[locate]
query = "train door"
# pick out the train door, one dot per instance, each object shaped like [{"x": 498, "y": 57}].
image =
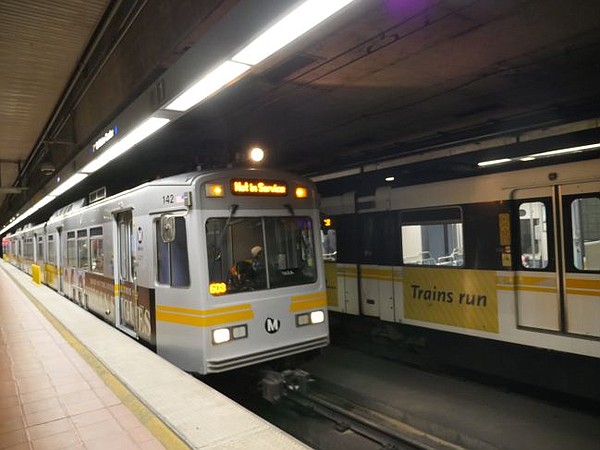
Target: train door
[
  {"x": 59, "y": 260},
  {"x": 557, "y": 287},
  {"x": 580, "y": 268},
  {"x": 341, "y": 267},
  {"x": 40, "y": 257},
  {"x": 52, "y": 274},
  {"x": 125, "y": 295}
]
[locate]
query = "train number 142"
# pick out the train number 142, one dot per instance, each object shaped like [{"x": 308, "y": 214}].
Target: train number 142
[{"x": 168, "y": 199}]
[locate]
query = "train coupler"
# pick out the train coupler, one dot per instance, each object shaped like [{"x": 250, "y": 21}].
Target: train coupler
[{"x": 275, "y": 385}]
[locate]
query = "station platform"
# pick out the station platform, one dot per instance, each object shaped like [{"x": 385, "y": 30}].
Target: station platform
[{"x": 70, "y": 381}]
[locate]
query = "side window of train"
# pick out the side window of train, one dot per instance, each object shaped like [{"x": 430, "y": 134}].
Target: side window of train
[
  {"x": 40, "y": 250},
  {"x": 51, "y": 250},
  {"x": 432, "y": 237},
  {"x": 29, "y": 248},
  {"x": 97, "y": 249},
  {"x": 82, "y": 250},
  {"x": 347, "y": 238},
  {"x": 584, "y": 215},
  {"x": 71, "y": 249},
  {"x": 172, "y": 256},
  {"x": 533, "y": 231},
  {"x": 329, "y": 239},
  {"x": 378, "y": 238}
]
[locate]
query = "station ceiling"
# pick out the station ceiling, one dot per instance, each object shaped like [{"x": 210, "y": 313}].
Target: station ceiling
[{"x": 381, "y": 80}]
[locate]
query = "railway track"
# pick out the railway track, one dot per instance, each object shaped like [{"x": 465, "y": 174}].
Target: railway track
[{"x": 292, "y": 388}]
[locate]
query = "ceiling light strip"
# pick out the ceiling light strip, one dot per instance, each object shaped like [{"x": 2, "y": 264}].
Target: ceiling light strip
[
  {"x": 131, "y": 139},
  {"x": 215, "y": 80},
  {"x": 289, "y": 28},
  {"x": 138, "y": 134}
]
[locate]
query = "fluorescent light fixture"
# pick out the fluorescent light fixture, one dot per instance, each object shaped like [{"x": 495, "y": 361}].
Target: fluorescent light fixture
[
  {"x": 208, "y": 85},
  {"x": 138, "y": 134},
  {"x": 68, "y": 184},
  {"x": 493, "y": 162},
  {"x": 295, "y": 24},
  {"x": 43, "y": 202},
  {"x": 563, "y": 151},
  {"x": 390, "y": 178},
  {"x": 527, "y": 158}
]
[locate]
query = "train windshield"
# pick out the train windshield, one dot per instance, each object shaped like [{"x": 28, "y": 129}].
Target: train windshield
[{"x": 257, "y": 253}]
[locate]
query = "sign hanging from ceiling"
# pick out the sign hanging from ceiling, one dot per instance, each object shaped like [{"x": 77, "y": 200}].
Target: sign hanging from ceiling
[{"x": 105, "y": 138}]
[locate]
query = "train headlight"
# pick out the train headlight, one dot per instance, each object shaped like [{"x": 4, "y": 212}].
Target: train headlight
[
  {"x": 317, "y": 317},
  {"x": 302, "y": 320},
  {"x": 221, "y": 335},
  {"x": 301, "y": 192},
  {"x": 240, "y": 332},
  {"x": 311, "y": 318},
  {"x": 215, "y": 190}
]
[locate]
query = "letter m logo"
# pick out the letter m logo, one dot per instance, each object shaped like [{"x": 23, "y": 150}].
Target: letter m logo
[{"x": 272, "y": 325}]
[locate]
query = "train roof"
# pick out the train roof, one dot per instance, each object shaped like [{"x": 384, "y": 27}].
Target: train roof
[{"x": 189, "y": 177}]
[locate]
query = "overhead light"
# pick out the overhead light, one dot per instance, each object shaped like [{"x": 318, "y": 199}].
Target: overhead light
[
  {"x": 493, "y": 162},
  {"x": 138, "y": 134},
  {"x": 257, "y": 154},
  {"x": 208, "y": 85},
  {"x": 564, "y": 151},
  {"x": 390, "y": 178},
  {"x": 43, "y": 202},
  {"x": 296, "y": 23},
  {"x": 68, "y": 184},
  {"x": 527, "y": 158}
]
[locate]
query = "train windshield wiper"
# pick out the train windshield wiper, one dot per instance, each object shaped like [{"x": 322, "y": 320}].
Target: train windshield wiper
[{"x": 232, "y": 209}]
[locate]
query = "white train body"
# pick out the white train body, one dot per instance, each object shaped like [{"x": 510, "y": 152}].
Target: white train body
[
  {"x": 513, "y": 256},
  {"x": 154, "y": 261}
]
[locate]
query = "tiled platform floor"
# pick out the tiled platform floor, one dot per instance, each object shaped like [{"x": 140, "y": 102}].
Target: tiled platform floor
[{"x": 50, "y": 398}]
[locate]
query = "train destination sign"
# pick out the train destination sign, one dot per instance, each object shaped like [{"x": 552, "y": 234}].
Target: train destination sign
[{"x": 248, "y": 186}]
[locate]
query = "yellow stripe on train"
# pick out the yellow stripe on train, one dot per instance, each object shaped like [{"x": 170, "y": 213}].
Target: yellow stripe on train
[
  {"x": 308, "y": 301},
  {"x": 204, "y": 318}
]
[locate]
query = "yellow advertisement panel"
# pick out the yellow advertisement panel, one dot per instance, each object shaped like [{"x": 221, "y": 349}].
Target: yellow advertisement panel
[{"x": 461, "y": 298}]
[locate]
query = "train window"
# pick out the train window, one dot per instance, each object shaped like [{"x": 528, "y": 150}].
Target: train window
[
  {"x": 97, "y": 249},
  {"x": 40, "y": 250},
  {"x": 172, "y": 257},
  {"x": 71, "y": 249},
  {"x": 51, "y": 250},
  {"x": 534, "y": 235},
  {"x": 180, "y": 273},
  {"x": 585, "y": 219},
  {"x": 260, "y": 253},
  {"x": 163, "y": 270},
  {"x": 329, "y": 240},
  {"x": 28, "y": 250},
  {"x": 432, "y": 237},
  {"x": 82, "y": 250},
  {"x": 290, "y": 251},
  {"x": 124, "y": 236},
  {"x": 347, "y": 237},
  {"x": 378, "y": 242}
]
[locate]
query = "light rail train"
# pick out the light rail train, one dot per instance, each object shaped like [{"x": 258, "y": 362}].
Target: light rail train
[
  {"x": 511, "y": 258},
  {"x": 214, "y": 270}
]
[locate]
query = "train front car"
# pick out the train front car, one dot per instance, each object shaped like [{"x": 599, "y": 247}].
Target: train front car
[{"x": 256, "y": 269}]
